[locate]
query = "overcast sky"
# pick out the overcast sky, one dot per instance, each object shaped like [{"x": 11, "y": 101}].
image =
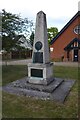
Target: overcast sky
[{"x": 58, "y": 12}]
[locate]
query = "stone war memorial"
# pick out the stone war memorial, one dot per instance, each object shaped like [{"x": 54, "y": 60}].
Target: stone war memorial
[
  {"x": 40, "y": 71},
  {"x": 40, "y": 82}
]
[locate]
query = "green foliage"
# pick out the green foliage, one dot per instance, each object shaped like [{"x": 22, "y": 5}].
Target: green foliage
[
  {"x": 12, "y": 26},
  {"x": 32, "y": 38},
  {"x": 52, "y": 32}
]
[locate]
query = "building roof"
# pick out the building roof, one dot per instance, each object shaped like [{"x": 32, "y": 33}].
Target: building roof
[
  {"x": 71, "y": 43},
  {"x": 65, "y": 27},
  {"x": 25, "y": 42}
]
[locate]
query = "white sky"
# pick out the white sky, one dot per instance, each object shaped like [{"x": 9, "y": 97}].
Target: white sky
[{"x": 58, "y": 12}]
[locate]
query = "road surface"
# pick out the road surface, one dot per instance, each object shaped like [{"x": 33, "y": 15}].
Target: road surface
[{"x": 25, "y": 62}]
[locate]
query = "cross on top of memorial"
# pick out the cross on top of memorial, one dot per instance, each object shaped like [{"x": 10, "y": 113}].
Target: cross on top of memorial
[{"x": 40, "y": 46}]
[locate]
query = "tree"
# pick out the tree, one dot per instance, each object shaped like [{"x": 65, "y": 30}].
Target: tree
[
  {"x": 32, "y": 38},
  {"x": 12, "y": 26},
  {"x": 52, "y": 32}
]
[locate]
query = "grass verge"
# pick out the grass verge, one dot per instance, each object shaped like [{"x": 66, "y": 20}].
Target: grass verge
[{"x": 24, "y": 107}]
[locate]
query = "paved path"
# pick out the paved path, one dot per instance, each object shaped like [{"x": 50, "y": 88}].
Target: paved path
[
  {"x": 17, "y": 62},
  {"x": 25, "y": 62},
  {"x": 71, "y": 64}
]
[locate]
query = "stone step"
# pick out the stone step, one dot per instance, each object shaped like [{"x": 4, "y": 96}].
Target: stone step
[
  {"x": 53, "y": 85},
  {"x": 57, "y": 90},
  {"x": 62, "y": 91},
  {"x": 26, "y": 92},
  {"x": 43, "y": 88}
]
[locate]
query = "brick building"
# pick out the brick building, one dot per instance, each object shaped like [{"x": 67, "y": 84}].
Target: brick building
[{"x": 66, "y": 45}]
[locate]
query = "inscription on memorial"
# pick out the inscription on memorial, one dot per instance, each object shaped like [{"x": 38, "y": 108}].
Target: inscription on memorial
[
  {"x": 38, "y": 57},
  {"x": 36, "y": 73}
]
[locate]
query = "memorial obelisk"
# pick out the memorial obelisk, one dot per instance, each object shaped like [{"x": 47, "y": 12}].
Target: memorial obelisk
[{"x": 40, "y": 71}]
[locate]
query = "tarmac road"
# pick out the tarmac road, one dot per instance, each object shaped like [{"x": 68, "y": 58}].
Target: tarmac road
[
  {"x": 71, "y": 64},
  {"x": 17, "y": 62},
  {"x": 25, "y": 62}
]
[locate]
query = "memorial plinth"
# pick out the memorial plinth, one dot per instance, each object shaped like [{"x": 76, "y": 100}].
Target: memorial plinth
[{"x": 40, "y": 71}]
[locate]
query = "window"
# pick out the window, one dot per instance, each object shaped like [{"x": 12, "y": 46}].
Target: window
[
  {"x": 77, "y": 29},
  {"x": 75, "y": 44}
]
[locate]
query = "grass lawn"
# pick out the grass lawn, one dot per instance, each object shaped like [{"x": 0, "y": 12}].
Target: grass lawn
[
  {"x": 25, "y": 107},
  {"x": 13, "y": 72}
]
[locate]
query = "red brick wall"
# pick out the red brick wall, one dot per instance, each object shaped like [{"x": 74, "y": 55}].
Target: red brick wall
[{"x": 63, "y": 40}]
